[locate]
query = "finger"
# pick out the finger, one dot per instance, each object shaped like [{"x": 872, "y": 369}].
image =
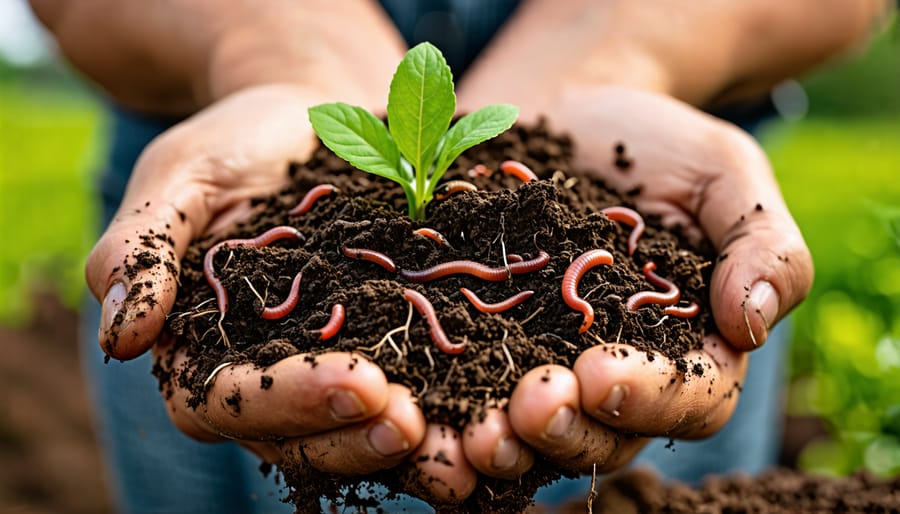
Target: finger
[
  {"x": 764, "y": 268},
  {"x": 632, "y": 393},
  {"x": 545, "y": 412},
  {"x": 441, "y": 472},
  {"x": 379, "y": 443},
  {"x": 492, "y": 447},
  {"x": 291, "y": 398}
]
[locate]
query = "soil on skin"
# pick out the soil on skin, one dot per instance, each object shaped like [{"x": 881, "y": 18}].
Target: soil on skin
[
  {"x": 777, "y": 491},
  {"x": 559, "y": 214}
]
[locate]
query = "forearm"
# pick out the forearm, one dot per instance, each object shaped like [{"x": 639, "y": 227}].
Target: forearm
[
  {"x": 700, "y": 52},
  {"x": 176, "y": 57}
]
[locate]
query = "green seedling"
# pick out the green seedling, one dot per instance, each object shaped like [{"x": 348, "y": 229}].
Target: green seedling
[{"x": 420, "y": 145}]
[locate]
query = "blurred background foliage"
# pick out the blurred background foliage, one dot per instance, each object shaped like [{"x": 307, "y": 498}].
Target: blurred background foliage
[{"x": 836, "y": 153}]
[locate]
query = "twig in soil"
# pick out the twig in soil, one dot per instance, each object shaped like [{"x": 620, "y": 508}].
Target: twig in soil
[
  {"x": 619, "y": 335},
  {"x": 570, "y": 182},
  {"x": 193, "y": 315},
  {"x": 595, "y": 337},
  {"x": 449, "y": 374},
  {"x": 593, "y": 494},
  {"x": 214, "y": 372},
  {"x": 512, "y": 365},
  {"x": 430, "y": 358},
  {"x": 390, "y": 340},
  {"x": 259, "y": 297},
  {"x": 555, "y": 337},
  {"x": 658, "y": 323},
  {"x": 532, "y": 315}
]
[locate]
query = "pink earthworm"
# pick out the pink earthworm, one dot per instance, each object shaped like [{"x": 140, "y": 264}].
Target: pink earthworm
[
  {"x": 630, "y": 218},
  {"x": 518, "y": 170},
  {"x": 310, "y": 198},
  {"x": 426, "y": 310},
  {"x": 265, "y": 239},
  {"x": 669, "y": 297},
  {"x": 688, "y": 311},
  {"x": 494, "y": 308},
  {"x": 283, "y": 309},
  {"x": 480, "y": 170},
  {"x": 574, "y": 272},
  {"x": 514, "y": 257},
  {"x": 335, "y": 322},
  {"x": 476, "y": 269},
  {"x": 451, "y": 188},
  {"x": 432, "y": 234},
  {"x": 372, "y": 256}
]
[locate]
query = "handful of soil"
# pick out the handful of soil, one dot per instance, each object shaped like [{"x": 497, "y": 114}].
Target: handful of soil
[{"x": 504, "y": 222}]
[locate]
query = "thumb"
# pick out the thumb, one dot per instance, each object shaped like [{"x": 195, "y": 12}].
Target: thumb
[{"x": 764, "y": 268}]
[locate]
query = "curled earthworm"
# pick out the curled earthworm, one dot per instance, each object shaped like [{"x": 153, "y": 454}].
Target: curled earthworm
[
  {"x": 494, "y": 308},
  {"x": 426, "y": 310},
  {"x": 476, "y": 269},
  {"x": 310, "y": 198},
  {"x": 282, "y": 310},
  {"x": 666, "y": 298},
  {"x": 480, "y": 170},
  {"x": 335, "y": 322},
  {"x": 518, "y": 170},
  {"x": 265, "y": 239},
  {"x": 688, "y": 311},
  {"x": 452, "y": 187},
  {"x": 630, "y": 218},
  {"x": 574, "y": 272},
  {"x": 432, "y": 234},
  {"x": 372, "y": 256}
]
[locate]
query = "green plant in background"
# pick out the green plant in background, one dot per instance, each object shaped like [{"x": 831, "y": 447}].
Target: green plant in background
[{"x": 419, "y": 148}]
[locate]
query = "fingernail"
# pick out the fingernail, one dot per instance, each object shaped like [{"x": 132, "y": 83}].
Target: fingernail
[
  {"x": 386, "y": 439},
  {"x": 345, "y": 405},
  {"x": 764, "y": 301},
  {"x": 560, "y": 423},
  {"x": 614, "y": 399},
  {"x": 112, "y": 313},
  {"x": 506, "y": 453}
]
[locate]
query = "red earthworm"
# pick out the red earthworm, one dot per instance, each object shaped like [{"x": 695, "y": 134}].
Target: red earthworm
[
  {"x": 265, "y": 239},
  {"x": 282, "y": 310},
  {"x": 494, "y": 308},
  {"x": 335, "y": 322},
  {"x": 630, "y": 218},
  {"x": 451, "y": 188},
  {"x": 432, "y": 234},
  {"x": 688, "y": 311},
  {"x": 518, "y": 170},
  {"x": 426, "y": 310},
  {"x": 476, "y": 269},
  {"x": 574, "y": 272},
  {"x": 666, "y": 298},
  {"x": 514, "y": 257},
  {"x": 480, "y": 170},
  {"x": 372, "y": 256},
  {"x": 310, "y": 198}
]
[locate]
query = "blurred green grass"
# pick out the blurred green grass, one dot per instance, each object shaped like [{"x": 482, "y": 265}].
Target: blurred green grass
[{"x": 49, "y": 147}]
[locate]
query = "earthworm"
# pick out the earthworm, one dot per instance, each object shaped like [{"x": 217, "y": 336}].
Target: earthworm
[
  {"x": 688, "y": 311},
  {"x": 310, "y": 198},
  {"x": 574, "y": 272},
  {"x": 335, "y": 322},
  {"x": 265, "y": 239},
  {"x": 630, "y": 218},
  {"x": 451, "y": 188},
  {"x": 282, "y": 310},
  {"x": 514, "y": 257},
  {"x": 494, "y": 308},
  {"x": 372, "y": 256},
  {"x": 518, "y": 170},
  {"x": 426, "y": 310},
  {"x": 666, "y": 298},
  {"x": 476, "y": 269},
  {"x": 480, "y": 170},
  {"x": 432, "y": 234}
]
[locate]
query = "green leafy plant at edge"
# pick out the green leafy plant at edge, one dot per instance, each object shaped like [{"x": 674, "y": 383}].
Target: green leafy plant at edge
[{"x": 420, "y": 144}]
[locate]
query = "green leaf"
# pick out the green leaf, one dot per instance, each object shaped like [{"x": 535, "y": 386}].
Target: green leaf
[
  {"x": 358, "y": 137},
  {"x": 471, "y": 129},
  {"x": 421, "y": 104}
]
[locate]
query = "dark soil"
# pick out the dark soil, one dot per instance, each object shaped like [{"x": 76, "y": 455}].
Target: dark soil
[
  {"x": 559, "y": 214},
  {"x": 778, "y": 491}
]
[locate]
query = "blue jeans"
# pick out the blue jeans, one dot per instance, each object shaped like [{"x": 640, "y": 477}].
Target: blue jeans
[{"x": 154, "y": 468}]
